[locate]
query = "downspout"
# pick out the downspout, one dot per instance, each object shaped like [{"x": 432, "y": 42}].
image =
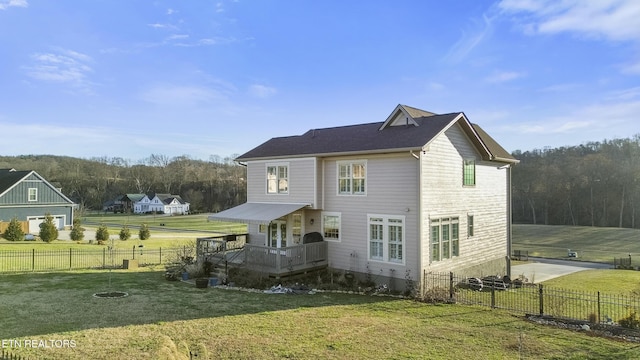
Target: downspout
[
  {"x": 419, "y": 275},
  {"x": 509, "y": 221}
]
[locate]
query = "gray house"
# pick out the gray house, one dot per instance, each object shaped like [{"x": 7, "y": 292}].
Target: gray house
[
  {"x": 418, "y": 192},
  {"x": 28, "y": 197}
]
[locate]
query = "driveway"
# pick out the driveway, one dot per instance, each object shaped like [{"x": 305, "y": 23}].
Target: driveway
[{"x": 541, "y": 269}]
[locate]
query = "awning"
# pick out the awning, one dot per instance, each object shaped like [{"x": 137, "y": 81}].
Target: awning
[{"x": 256, "y": 213}]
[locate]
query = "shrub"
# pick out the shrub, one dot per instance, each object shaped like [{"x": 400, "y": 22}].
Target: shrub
[
  {"x": 144, "y": 233},
  {"x": 125, "y": 233},
  {"x": 14, "y": 231},
  {"x": 77, "y": 232},
  {"x": 102, "y": 234},
  {"x": 48, "y": 230},
  {"x": 630, "y": 322}
]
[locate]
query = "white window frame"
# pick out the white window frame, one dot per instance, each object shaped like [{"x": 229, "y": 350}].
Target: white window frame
[
  {"x": 337, "y": 215},
  {"x": 278, "y": 179},
  {"x": 444, "y": 238},
  {"x": 349, "y": 177},
  {"x": 32, "y": 194},
  {"x": 384, "y": 223}
]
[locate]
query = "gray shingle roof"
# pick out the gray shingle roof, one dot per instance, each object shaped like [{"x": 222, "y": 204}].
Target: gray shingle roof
[
  {"x": 9, "y": 177},
  {"x": 422, "y": 126},
  {"x": 353, "y": 138}
]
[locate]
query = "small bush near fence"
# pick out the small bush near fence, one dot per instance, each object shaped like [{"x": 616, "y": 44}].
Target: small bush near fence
[{"x": 592, "y": 307}]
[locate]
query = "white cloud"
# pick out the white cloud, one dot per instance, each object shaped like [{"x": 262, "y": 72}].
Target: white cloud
[
  {"x": 177, "y": 37},
  {"x": 262, "y": 91},
  {"x": 170, "y": 11},
  {"x": 617, "y": 20},
  {"x": 631, "y": 68},
  {"x": 504, "y": 76},
  {"x": 469, "y": 41},
  {"x": 5, "y": 4},
  {"x": 62, "y": 66},
  {"x": 615, "y": 116},
  {"x": 163, "y": 26},
  {"x": 181, "y": 95}
]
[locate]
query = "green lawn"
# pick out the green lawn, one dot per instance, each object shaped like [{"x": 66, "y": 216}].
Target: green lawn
[
  {"x": 610, "y": 281},
  {"x": 183, "y": 222},
  {"x": 161, "y": 320},
  {"x": 591, "y": 243}
]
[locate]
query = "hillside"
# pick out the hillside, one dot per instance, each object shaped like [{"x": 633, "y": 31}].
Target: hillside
[{"x": 591, "y": 243}]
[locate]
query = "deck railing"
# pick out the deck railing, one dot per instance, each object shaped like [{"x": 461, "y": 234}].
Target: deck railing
[{"x": 287, "y": 260}]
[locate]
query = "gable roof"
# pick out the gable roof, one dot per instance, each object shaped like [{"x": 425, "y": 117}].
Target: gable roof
[
  {"x": 393, "y": 134},
  {"x": 9, "y": 178},
  {"x": 167, "y": 198}
]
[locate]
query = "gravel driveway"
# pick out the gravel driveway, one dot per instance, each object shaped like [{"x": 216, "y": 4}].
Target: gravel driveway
[{"x": 539, "y": 269}]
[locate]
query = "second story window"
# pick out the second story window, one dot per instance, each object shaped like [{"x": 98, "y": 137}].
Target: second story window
[
  {"x": 352, "y": 178},
  {"x": 33, "y": 194},
  {"x": 278, "y": 179},
  {"x": 469, "y": 172}
]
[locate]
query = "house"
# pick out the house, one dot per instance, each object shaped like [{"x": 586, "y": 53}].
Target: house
[
  {"x": 28, "y": 197},
  {"x": 161, "y": 203},
  {"x": 418, "y": 192},
  {"x": 123, "y": 203}
]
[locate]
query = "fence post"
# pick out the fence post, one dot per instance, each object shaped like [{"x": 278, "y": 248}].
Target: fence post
[
  {"x": 451, "y": 285},
  {"x": 69, "y": 258},
  {"x": 33, "y": 259},
  {"x": 160, "y": 252},
  {"x": 598, "y": 307},
  {"x": 493, "y": 295},
  {"x": 104, "y": 258},
  {"x": 541, "y": 299},
  {"x": 133, "y": 252}
]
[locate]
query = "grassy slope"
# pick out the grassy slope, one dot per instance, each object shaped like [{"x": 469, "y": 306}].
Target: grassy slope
[
  {"x": 591, "y": 243},
  {"x": 160, "y": 318}
]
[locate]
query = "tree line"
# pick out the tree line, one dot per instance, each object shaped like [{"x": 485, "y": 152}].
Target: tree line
[
  {"x": 593, "y": 184},
  {"x": 209, "y": 186}
]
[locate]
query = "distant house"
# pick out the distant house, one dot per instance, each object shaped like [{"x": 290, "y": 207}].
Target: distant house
[
  {"x": 123, "y": 203},
  {"x": 28, "y": 197},
  {"x": 161, "y": 203},
  {"x": 418, "y": 192}
]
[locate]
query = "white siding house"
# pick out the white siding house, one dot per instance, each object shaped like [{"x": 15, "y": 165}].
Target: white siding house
[
  {"x": 161, "y": 203},
  {"x": 418, "y": 192}
]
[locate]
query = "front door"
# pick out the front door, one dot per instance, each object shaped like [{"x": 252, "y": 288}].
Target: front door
[{"x": 278, "y": 234}]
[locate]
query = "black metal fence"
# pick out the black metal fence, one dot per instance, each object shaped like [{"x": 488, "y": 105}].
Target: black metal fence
[
  {"x": 78, "y": 259},
  {"x": 593, "y": 307},
  {"x": 622, "y": 263}
]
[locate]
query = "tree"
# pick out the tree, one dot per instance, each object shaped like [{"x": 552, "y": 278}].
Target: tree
[
  {"x": 77, "y": 232},
  {"x": 144, "y": 233},
  {"x": 14, "y": 231},
  {"x": 48, "y": 230},
  {"x": 125, "y": 233},
  {"x": 102, "y": 234}
]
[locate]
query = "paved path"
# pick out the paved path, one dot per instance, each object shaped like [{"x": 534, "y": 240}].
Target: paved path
[{"x": 540, "y": 269}]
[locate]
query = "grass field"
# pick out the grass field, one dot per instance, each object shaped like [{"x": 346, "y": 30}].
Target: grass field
[
  {"x": 180, "y": 222},
  {"x": 164, "y": 320},
  {"x": 591, "y": 243}
]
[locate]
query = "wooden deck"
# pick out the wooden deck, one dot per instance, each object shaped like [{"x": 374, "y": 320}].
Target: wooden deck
[
  {"x": 276, "y": 262},
  {"x": 288, "y": 260}
]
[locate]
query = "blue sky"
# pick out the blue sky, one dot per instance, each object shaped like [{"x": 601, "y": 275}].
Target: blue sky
[{"x": 131, "y": 78}]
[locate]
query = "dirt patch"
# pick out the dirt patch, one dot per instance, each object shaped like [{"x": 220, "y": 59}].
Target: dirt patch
[{"x": 111, "y": 294}]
